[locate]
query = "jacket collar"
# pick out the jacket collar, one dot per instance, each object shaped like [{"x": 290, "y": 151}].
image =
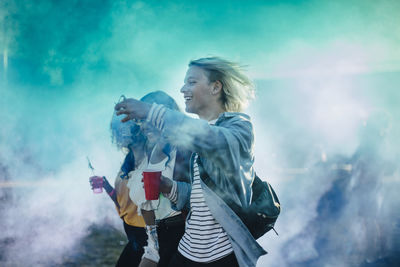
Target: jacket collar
[{"x": 227, "y": 115}]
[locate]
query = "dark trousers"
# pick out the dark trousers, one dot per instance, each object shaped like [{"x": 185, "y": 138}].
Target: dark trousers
[
  {"x": 181, "y": 261},
  {"x": 170, "y": 232},
  {"x": 133, "y": 251}
]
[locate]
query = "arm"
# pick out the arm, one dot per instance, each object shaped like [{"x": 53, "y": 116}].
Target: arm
[
  {"x": 110, "y": 191},
  {"x": 221, "y": 144},
  {"x": 226, "y": 147}
]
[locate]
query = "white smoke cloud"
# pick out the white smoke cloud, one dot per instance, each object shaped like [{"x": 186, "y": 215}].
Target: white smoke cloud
[{"x": 304, "y": 129}]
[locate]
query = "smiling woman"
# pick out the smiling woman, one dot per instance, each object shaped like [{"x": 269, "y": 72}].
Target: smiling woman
[{"x": 216, "y": 90}]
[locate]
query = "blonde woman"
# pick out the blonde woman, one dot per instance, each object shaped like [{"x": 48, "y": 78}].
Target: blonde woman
[{"x": 217, "y": 91}]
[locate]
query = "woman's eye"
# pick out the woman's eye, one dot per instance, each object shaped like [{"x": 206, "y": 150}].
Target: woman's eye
[{"x": 192, "y": 82}]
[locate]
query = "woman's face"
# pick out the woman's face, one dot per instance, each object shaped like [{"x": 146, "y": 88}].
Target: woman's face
[
  {"x": 121, "y": 132},
  {"x": 197, "y": 90}
]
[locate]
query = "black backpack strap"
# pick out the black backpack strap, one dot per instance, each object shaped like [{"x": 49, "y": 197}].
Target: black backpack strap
[{"x": 182, "y": 168}]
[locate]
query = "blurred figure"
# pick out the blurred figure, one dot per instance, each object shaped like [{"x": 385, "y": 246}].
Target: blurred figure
[
  {"x": 145, "y": 149},
  {"x": 351, "y": 226},
  {"x": 164, "y": 225},
  {"x": 371, "y": 163}
]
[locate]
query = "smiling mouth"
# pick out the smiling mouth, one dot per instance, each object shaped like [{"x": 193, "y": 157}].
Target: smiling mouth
[{"x": 187, "y": 98}]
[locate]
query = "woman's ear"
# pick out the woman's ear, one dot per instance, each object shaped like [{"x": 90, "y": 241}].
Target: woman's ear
[{"x": 217, "y": 87}]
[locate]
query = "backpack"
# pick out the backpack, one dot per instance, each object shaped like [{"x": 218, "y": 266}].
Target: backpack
[{"x": 261, "y": 215}]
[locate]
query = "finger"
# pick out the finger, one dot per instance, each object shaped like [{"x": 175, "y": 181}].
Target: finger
[
  {"x": 125, "y": 119},
  {"x": 122, "y": 111}
]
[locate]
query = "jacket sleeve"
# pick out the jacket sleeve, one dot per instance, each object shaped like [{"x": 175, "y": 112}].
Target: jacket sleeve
[
  {"x": 225, "y": 144},
  {"x": 183, "y": 190},
  {"x": 228, "y": 146}
]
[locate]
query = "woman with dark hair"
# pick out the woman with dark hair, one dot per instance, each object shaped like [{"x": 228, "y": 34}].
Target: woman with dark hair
[
  {"x": 164, "y": 225},
  {"x": 146, "y": 149}
]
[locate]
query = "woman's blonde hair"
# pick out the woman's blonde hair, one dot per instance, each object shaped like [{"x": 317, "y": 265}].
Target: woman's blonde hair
[{"x": 237, "y": 88}]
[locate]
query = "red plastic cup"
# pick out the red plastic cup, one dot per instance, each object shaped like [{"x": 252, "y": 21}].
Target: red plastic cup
[
  {"x": 151, "y": 180},
  {"x": 97, "y": 183}
]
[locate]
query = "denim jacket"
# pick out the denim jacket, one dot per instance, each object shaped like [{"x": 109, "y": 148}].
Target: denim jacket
[{"x": 226, "y": 151}]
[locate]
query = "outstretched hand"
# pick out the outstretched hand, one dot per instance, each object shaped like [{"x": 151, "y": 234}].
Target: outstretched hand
[{"x": 133, "y": 109}]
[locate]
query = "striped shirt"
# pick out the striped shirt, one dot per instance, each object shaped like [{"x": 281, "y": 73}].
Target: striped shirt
[{"x": 204, "y": 240}]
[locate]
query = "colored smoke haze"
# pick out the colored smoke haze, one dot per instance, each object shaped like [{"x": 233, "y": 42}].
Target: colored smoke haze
[{"x": 322, "y": 70}]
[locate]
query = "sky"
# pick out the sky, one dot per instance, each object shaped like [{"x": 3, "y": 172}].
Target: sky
[{"x": 322, "y": 70}]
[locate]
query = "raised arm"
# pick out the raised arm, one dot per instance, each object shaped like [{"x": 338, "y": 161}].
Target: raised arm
[
  {"x": 219, "y": 143},
  {"x": 226, "y": 146}
]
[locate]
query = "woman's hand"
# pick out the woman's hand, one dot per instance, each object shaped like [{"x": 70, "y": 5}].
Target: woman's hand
[
  {"x": 133, "y": 109},
  {"x": 96, "y": 182},
  {"x": 165, "y": 185}
]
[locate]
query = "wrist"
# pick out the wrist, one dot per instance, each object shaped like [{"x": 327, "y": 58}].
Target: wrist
[
  {"x": 172, "y": 195},
  {"x": 107, "y": 186},
  {"x": 111, "y": 193},
  {"x": 165, "y": 185}
]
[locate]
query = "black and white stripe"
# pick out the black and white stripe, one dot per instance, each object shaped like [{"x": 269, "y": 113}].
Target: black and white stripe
[
  {"x": 155, "y": 115},
  {"x": 172, "y": 195},
  {"x": 204, "y": 240}
]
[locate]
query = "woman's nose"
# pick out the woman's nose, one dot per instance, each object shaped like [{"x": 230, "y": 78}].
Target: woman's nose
[{"x": 183, "y": 89}]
